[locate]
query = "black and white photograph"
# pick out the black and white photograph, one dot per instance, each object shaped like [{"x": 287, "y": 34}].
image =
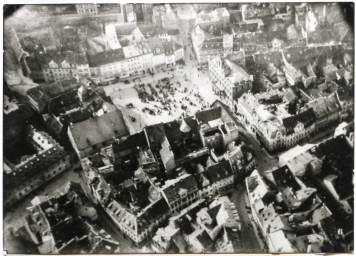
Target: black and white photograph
[{"x": 178, "y": 127}]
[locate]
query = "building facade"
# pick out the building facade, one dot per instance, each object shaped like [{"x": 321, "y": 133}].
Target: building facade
[{"x": 230, "y": 80}]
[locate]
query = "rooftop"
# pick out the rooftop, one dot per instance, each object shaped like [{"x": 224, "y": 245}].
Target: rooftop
[
  {"x": 172, "y": 187},
  {"x": 106, "y": 57},
  {"x": 98, "y": 130}
]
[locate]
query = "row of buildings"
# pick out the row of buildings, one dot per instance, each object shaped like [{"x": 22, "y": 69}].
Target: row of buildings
[
  {"x": 266, "y": 114},
  {"x": 137, "y": 59}
]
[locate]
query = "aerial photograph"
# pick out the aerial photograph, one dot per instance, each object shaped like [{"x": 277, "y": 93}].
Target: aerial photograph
[{"x": 178, "y": 128}]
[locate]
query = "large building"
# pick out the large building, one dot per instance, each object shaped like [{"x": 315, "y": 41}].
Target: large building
[
  {"x": 136, "y": 59},
  {"x": 211, "y": 42},
  {"x": 128, "y": 203},
  {"x": 89, "y": 136},
  {"x": 266, "y": 115},
  {"x": 179, "y": 193},
  {"x": 40, "y": 159},
  {"x": 201, "y": 227},
  {"x": 229, "y": 79},
  {"x": 87, "y": 9}
]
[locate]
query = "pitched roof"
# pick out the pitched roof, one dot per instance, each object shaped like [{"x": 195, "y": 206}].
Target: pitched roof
[
  {"x": 306, "y": 117},
  {"x": 204, "y": 239},
  {"x": 319, "y": 107},
  {"x": 237, "y": 74},
  {"x": 98, "y": 130}
]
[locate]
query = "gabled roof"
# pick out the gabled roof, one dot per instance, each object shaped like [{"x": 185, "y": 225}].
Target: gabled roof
[
  {"x": 319, "y": 107},
  {"x": 307, "y": 118},
  {"x": 204, "y": 239}
]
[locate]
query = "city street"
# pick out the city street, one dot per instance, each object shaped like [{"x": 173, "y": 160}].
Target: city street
[
  {"x": 249, "y": 237},
  {"x": 264, "y": 160}
]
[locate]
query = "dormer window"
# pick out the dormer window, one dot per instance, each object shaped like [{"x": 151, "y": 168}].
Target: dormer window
[{"x": 182, "y": 192}]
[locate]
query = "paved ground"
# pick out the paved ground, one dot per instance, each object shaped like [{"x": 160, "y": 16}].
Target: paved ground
[{"x": 187, "y": 84}]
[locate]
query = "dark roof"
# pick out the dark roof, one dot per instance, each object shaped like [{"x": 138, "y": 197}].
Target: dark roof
[
  {"x": 307, "y": 117},
  {"x": 191, "y": 122},
  {"x": 235, "y": 16},
  {"x": 98, "y": 130},
  {"x": 213, "y": 212},
  {"x": 155, "y": 135},
  {"x": 125, "y": 30},
  {"x": 290, "y": 123},
  {"x": 64, "y": 102},
  {"x": 37, "y": 95},
  {"x": 219, "y": 171},
  {"x": 17, "y": 117},
  {"x": 106, "y": 57},
  {"x": 172, "y": 191},
  {"x": 78, "y": 115},
  {"x": 284, "y": 178},
  {"x": 185, "y": 225},
  {"x": 131, "y": 142},
  {"x": 152, "y": 213},
  {"x": 54, "y": 89},
  {"x": 172, "y": 130}
]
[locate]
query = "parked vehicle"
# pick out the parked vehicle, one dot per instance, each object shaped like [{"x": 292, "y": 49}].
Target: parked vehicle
[{"x": 133, "y": 119}]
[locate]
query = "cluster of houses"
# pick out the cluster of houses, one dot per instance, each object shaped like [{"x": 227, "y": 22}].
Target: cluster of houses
[
  {"x": 67, "y": 223},
  {"x": 202, "y": 227},
  {"x": 306, "y": 204},
  {"x": 143, "y": 179},
  {"x": 32, "y": 157}
]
